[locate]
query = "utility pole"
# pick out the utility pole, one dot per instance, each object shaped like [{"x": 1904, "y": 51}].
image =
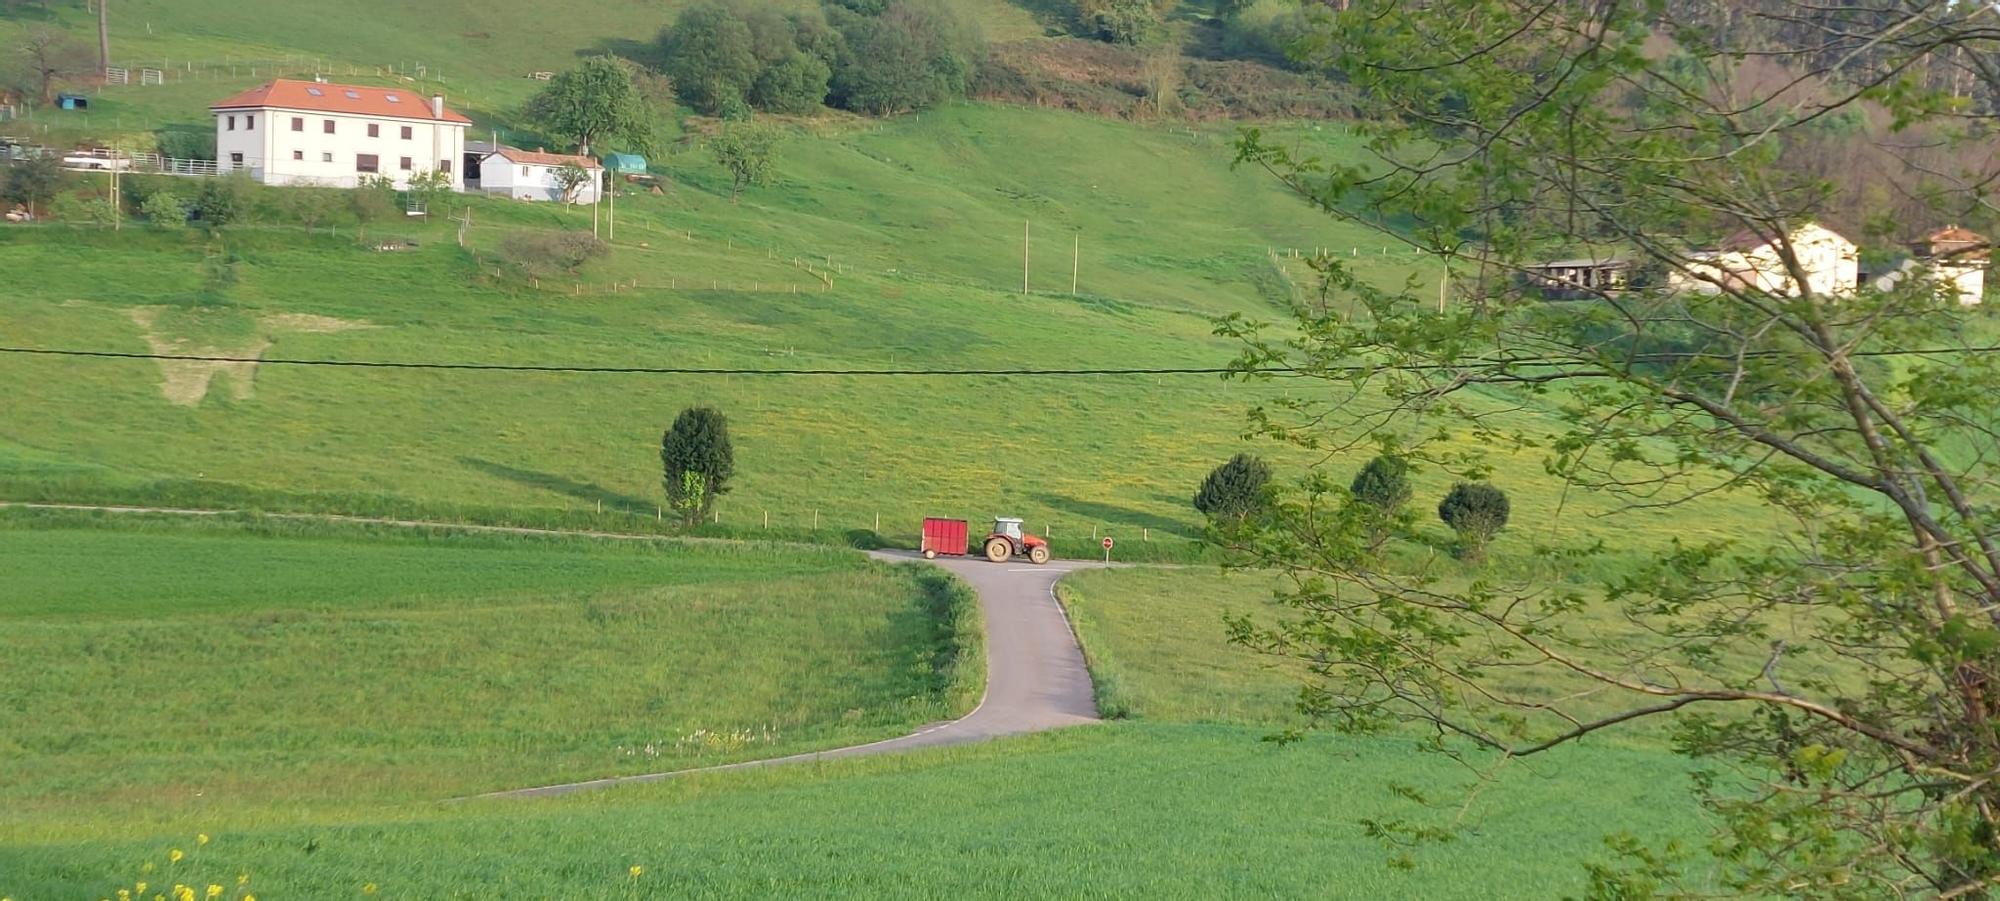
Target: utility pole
[
  {"x": 612, "y": 177},
  {"x": 1024, "y": 256},
  {"x": 103, "y": 37},
  {"x": 117, "y": 220},
  {"x": 1075, "y": 255}
]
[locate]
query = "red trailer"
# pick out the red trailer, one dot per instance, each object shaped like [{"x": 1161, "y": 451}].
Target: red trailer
[{"x": 944, "y": 536}]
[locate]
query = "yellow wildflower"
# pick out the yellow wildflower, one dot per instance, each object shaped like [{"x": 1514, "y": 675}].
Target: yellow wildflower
[
  {"x": 637, "y": 870},
  {"x": 368, "y": 889},
  {"x": 201, "y": 838},
  {"x": 243, "y": 879},
  {"x": 124, "y": 894},
  {"x": 249, "y": 898},
  {"x": 175, "y": 856},
  {"x": 214, "y": 891},
  {"x": 139, "y": 889},
  {"x": 183, "y": 893}
]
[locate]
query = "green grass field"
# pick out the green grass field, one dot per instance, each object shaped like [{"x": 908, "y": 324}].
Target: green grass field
[
  {"x": 921, "y": 219},
  {"x": 306, "y": 694},
  {"x": 172, "y": 670},
  {"x": 1120, "y": 810}
]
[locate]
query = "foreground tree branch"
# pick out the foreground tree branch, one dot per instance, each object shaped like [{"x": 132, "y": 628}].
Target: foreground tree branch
[{"x": 1832, "y": 668}]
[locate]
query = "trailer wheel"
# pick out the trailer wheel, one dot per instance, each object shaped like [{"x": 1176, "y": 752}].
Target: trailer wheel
[
  {"x": 930, "y": 554},
  {"x": 998, "y": 550},
  {"x": 1038, "y": 554}
]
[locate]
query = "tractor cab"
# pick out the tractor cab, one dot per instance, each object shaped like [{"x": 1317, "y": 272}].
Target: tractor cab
[{"x": 1007, "y": 540}]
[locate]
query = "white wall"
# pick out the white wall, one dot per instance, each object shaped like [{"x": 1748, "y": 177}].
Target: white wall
[
  {"x": 269, "y": 146},
  {"x": 528, "y": 181}
]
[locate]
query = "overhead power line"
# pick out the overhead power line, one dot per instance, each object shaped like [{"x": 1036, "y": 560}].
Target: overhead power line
[
  {"x": 637, "y": 370},
  {"x": 1663, "y": 357}
]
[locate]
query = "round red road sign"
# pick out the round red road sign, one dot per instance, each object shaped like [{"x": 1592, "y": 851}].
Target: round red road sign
[{"x": 1107, "y": 542}]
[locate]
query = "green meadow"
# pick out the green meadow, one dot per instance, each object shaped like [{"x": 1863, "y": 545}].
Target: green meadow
[
  {"x": 306, "y": 697},
  {"x": 171, "y": 670},
  {"x": 1120, "y": 810},
  {"x": 915, "y": 223}
]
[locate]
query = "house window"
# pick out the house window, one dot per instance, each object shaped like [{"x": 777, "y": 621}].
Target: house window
[
  {"x": 236, "y": 159},
  {"x": 326, "y": 157},
  {"x": 366, "y": 162},
  {"x": 249, "y": 123},
  {"x": 298, "y": 123},
  {"x": 404, "y": 163},
  {"x": 524, "y": 172},
  {"x": 232, "y": 123},
  {"x": 444, "y": 166},
  {"x": 326, "y": 126},
  {"x": 406, "y": 132},
  {"x": 299, "y": 155},
  {"x": 374, "y": 130}
]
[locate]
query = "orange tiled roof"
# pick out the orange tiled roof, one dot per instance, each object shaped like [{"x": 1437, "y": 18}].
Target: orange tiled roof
[
  {"x": 285, "y": 93},
  {"x": 538, "y": 158},
  {"x": 1955, "y": 235}
]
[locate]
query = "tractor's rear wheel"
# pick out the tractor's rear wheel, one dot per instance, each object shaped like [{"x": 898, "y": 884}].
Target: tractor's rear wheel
[
  {"x": 1038, "y": 554},
  {"x": 998, "y": 550},
  {"x": 930, "y": 554}
]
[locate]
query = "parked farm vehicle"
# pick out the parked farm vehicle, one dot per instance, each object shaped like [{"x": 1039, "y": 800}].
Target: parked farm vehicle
[{"x": 1006, "y": 541}]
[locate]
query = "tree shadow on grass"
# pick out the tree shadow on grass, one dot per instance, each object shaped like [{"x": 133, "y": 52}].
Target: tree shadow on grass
[
  {"x": 584, "y": 491},
  {"x": 1112, "y": 514}
]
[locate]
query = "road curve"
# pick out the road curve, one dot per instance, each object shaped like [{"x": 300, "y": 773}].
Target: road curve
[{"x": 1035, "y": 677}]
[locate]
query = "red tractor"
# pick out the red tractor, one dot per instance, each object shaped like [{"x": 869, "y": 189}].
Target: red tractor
[
  {"x": 948, "y": 536},
  {"x": 1007, "y": 540}
]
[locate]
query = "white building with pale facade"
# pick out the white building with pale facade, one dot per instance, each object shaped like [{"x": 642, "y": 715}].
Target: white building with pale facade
[
  {"x": 532, "y": 175},
  {"x": 1957, "y": 259},
  {"x": 289, "y": 132},
  {"x": 1829, "y": 263}
]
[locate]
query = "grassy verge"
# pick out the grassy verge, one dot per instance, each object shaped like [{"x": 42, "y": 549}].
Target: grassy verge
[{"x": 179, "y": 670}]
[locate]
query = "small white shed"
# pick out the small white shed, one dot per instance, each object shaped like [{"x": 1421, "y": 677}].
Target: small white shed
[{"x": 531, "y": 175}]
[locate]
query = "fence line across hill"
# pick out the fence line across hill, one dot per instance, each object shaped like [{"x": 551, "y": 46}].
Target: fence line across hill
[{"x": 824, "y": 519}]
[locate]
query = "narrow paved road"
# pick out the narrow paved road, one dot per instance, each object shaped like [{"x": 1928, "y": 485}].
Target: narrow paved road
[{"x": 1035, "y": 677}]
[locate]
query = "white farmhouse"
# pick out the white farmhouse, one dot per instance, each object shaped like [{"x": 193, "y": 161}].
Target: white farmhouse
[
  {"x": 1957, "y": 258},
  {"x": 291, "y": 132},
  {"x": 1830, "y": 263},
  {"x": 531, "y": 175}
]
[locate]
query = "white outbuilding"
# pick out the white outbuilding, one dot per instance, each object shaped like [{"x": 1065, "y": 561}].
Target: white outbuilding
[{"x": 533, "y": 175}]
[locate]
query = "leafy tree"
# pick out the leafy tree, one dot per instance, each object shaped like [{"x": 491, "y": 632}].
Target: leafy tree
[
  {"x": 1476, "y": 511},
  {"x": 696, "y": 445},
  {"x": 310, "y": 206},
  {"x": 32, "y": 183},
  {"x": 429, "y": 188},
  {"x": 796, "y": 85},
  {"x": 165, "y": 209},
  {"x": 749, "y": 153},
  {"x": 372, "y": 200},
  {"x": 1831, "y": 664},
  {"x": 185, "y": 143},
  {"x": 1120, "y": 21},
  {"x": 1383, "y": 485},
  {"x": 223, "y": 199},
  {"x": 540, "y": 254},
  {"x": 1234, "y": 490},
  {"x": 915, "y": 55},
  {"x": 571, "y": 179},
  {"x": 592, "y": 103},
  {"x": 711, "y": 56}
]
